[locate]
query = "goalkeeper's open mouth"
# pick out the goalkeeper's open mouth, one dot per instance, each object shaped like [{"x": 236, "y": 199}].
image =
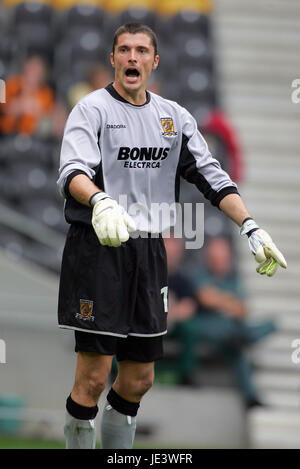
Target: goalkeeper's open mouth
[{"x": 132, "y": 75}]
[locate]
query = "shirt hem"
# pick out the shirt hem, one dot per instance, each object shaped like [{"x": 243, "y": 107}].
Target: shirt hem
[{"x": 114, "y": 334}]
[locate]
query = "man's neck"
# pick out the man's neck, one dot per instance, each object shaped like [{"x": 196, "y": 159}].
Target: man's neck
[{"x": 137, "y": 98}]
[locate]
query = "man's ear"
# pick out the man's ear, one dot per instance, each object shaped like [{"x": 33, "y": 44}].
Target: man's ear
[
  {"x": 112, "y": 61},
  {"x": 155, "y": 63}
]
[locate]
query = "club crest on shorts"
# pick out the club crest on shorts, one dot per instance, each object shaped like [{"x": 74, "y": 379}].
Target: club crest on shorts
[
  {"x": 86, "y": 310},
  {"x": 167, "y": 126}
]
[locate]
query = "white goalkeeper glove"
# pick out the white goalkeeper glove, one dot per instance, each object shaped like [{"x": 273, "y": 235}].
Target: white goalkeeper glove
[
  {"x": 110, "y": 221},
  {"x": 263, "y": 248}
]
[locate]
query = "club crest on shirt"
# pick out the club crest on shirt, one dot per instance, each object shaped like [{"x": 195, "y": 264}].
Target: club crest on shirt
[
  {"x": 86, "y": 310},
  {"x": 167, "y": 126}
]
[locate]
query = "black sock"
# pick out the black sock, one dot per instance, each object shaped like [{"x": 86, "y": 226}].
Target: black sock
[
  {"x": 122, "y": 405},
  {"x": 80, "y": 411}
]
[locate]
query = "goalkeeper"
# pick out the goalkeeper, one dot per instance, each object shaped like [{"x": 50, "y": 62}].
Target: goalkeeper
[{"x": 124, "y": 149}]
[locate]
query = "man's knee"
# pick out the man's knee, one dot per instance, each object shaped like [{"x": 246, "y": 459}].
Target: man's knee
[
  {"x": 143, "y": 385},
  {"x": 90, "y": 385},
  {"x": 134, "y": 380},
  {"x": 136, "y": 386},
  {"x": 91, "y": 376}
]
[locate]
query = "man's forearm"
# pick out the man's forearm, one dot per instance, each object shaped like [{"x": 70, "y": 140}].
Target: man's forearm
[
  {"x": 233, "y": 206},
  {"x": 82, "y": 188},
  {"x": 215, "y": 299},
  {"x": 260, "y": 242}
]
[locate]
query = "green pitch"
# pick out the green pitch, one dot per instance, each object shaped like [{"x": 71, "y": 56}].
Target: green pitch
[{"x": 8, "y": 442}]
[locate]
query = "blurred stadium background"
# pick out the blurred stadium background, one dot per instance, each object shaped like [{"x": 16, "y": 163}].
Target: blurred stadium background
[{"x": 231, "y": 63}]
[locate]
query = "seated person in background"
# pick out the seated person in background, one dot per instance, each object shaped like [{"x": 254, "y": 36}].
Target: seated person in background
[
  {"x": 181, "y": 306},
  {"x": 29, "y": 99},
  {"x": 97, "y": 77},
  {"x": 181, "y": 301},
  {"x": 222, "y": 314},
  {"x": 212, "y": 312}
]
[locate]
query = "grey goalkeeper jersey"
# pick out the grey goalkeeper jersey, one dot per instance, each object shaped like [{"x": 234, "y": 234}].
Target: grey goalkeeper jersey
[{"x": 137, "y": 155}]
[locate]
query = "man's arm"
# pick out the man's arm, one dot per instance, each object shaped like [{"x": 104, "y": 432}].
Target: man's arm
[
  {"x": 197, "y": 166},
  {"x": 110, "y": 221},
  {"x": 233, "y": 206},
  {"x": 213, "y": 298},
  {"x": 82, "y": 189},
  {"x": 260, "y": 242}
]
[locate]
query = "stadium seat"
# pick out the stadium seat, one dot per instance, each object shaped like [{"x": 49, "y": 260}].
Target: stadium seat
[
  {"x": 13, "y": 243},
  {"x": 44, "y": 210},
  {"x": 194, "y": 50},
  {"x": 32, "y": 25},
  {"x": 80, "y": 18},
  {"x": 74, "y": 57},
  {"x": 192, "y": 22},
  {"x": 65, "y": 4},
  {"x": 167, "y": 66},
  {"x": 25, "y": 169},
  {"x": 37, "y": 39},
  {"x": 16, "y": 148},
  {"x": 43, "y": 255},
  {"x": 33, "y": 13},
  {"x": 196, "y": 84},
  {"x": 8, "y": 53},
  {"x": 199, "y": 108},
  {"x": 142, "y": 15},
  {"x": 89, "y": 45},
  {"x": 20, "y": 246}
]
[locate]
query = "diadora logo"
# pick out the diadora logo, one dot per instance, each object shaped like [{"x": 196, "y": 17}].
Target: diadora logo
[
  {"x": 167, "y": 126},
  {"x": 145, "y": 157},
  {"x": 115, "y": 126}
]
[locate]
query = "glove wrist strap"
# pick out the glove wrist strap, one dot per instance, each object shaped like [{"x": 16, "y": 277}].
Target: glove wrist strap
[
  {"x": 248, "y": 227},
  {"x": 97, "y": 197}
]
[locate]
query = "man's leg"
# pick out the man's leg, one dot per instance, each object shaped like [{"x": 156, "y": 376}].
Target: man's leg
[
  {"x": 81, "y": 407},
  {"x": 119, "y": 416}
]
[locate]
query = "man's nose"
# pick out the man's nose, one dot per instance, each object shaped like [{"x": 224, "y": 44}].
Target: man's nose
[{"x": 132, "y": 56}]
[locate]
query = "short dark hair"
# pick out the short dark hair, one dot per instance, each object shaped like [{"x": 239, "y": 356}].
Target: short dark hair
[{"x": 134, "y": 28}]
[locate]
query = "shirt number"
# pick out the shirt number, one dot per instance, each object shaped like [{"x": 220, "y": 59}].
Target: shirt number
[{"x": 164, "y": 292}]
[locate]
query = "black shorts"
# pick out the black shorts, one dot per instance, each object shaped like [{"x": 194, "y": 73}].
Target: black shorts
[
  {"x": 119, "y": 292},
  {"x": 138, "y": 349}
]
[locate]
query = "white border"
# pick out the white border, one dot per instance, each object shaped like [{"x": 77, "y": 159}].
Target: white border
[{"x": 112, "y": 333}]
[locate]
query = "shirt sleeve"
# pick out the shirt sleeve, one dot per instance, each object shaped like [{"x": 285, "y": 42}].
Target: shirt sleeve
[
  {"x": 197, "y": 165},
  {"x": 80, "y": 152}
]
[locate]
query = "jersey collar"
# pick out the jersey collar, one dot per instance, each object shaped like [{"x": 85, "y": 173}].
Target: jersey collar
[{"x": 117, "y": 96}]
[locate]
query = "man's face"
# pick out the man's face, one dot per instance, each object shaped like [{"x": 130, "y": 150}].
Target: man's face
[
  {"x": 219, "y": 256},
  {"x": 133, "y": 60}
]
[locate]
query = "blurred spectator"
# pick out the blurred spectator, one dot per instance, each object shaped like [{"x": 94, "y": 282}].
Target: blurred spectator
[
  {"x": 181, "y": 307},
  {"x": 181, "y": 302},
  {"x": 222, "y": 316},
  {"x": 98, "y": 77},
  {"x": 29, "y": 100},
  {"x": 217, "y": 123},
  {"x": 220, "y": 319},
  {"x": 59, "y": 118}
]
